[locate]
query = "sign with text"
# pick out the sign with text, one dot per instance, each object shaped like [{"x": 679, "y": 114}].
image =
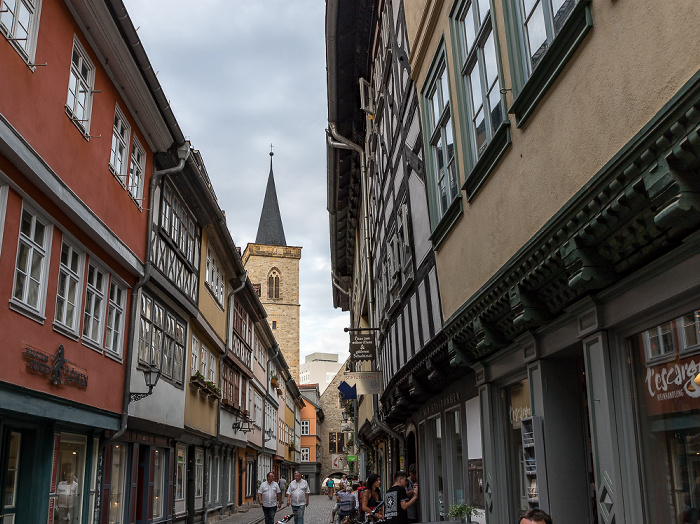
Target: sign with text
[
  {"x": 366, "y": 382},
  {"x": 361, "y": 346}
]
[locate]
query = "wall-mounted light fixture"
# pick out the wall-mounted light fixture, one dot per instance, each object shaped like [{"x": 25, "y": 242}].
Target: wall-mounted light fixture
[
  {"x": 243, "y": 426},
  {"x": 151, "y": 375}
]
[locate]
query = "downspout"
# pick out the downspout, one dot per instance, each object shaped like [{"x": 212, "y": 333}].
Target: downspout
[
  {"x": 336, "y": 285},
  {"x": 341, "y": 142},
  {"x": 183, "y": 152}
]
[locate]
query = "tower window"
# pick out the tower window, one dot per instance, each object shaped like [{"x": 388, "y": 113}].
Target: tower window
[{"x": 273, "y": 284}]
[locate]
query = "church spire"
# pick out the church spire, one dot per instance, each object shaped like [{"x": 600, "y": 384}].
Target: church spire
[{"x": 270, "y": 229}]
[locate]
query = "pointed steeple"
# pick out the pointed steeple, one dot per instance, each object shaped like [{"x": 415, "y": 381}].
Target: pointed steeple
[{"x": 270, "y": 229}]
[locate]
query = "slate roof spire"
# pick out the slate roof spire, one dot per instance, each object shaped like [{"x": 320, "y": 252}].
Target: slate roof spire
[{"x": 270, "y": 229}]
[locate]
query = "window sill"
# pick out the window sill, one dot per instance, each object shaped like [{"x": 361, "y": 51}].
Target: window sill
[
  {"x": 493, "y": 153},
  {"x": 65, "y": 331},
  {"x": 20, "y": 51},
  {"x": 27, "y": 311},
  {"x": 447, "y": 222},
  {"x": 83, "y": 129},
  {"x": 92, "y": 345},
  {"x": 112, "y": 355},
  {"x": 562, "y": 49}
]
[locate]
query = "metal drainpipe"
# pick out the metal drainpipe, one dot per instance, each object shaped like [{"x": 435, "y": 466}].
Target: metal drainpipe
[
  {"x": 183, "y": 152},
  {"x": 344, "y": 143}
]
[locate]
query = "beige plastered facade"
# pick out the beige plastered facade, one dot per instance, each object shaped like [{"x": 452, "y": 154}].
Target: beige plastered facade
[
  {"x": 636, "y": 57},
  {"x": 259, "y": 260}
]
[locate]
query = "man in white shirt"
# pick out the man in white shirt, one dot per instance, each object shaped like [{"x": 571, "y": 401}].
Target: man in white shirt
[
  {"x": 269, "y": 498},
  {"x": 298, "y": 495}
]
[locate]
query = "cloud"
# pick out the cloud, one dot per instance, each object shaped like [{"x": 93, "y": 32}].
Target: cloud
[{"x": 239, "y": 76}]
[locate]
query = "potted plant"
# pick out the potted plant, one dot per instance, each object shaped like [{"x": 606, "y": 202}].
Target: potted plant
[
  {"x": 463, "y": 511},
  {"x": 274, "y": 381}
]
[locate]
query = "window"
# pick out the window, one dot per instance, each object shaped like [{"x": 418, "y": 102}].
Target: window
[
  {"x": 541, "y": 21},
  {"x": 212, "y": 368},
  {"x": 257, "y": 416},
  {"x": 479, "y": 75},
  {"x": 174, "y": 348},
  {"x": 305, "y": 455},
  {"x": 659, "y": 341},
  {"x": 256, "y": 287},
  {"x": 194, "y": 358},
  {"x": 336, "y": 442},
  {"x": 198, "y": 477},
  {"x": 162, "y": 339},
  {"x": 214, "y": 277},
  {"x": 544, "y": 35},
  {"x": 158, "y": 482},
  {"x": 249, "y": 478},
  {"x": 31, "y": 266},
  {"x": 80, "y": 88},
  {"x": 120, "y": 146},
  {"x": 19, "y": 21},
  {"x": 178, "y": 223},
  {"x": 440, "y": 144},
  {"x": 180, "y": 479},
  {"x": 115, "y": 318},
  {"x": 305, "y": 427},
  {"x": 273, "y": 284},
  {"x": 117, "y": 486},
  {"x": 274, "y": 324},
  {"x": 94, "y": 303},
  {"x": 136, "y": 171},
  {"x": 68, "y": 291}
]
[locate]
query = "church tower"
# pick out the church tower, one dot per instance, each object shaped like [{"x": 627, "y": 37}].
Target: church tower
[{"x": 273, "y": 268}]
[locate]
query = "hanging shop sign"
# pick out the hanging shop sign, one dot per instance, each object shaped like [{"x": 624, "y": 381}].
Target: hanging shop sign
[
  {"x": 361, "y": 346},
  {"x": 59, "y": 370},
  {"x": 339, "y": 461},
  {"x": 353, "y": 458},
  {"x": 366, "y": 382}
]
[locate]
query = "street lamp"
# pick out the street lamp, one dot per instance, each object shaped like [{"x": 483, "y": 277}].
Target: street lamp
[
  {"x": 151, "y": 374},
  {"x": 242, "y": 426}
]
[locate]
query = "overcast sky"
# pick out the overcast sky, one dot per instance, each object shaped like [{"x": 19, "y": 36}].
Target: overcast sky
[{"x": 241, "y": 75}]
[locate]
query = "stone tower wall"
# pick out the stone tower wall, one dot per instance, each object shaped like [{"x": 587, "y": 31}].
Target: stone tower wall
[{"x": 258, "y": 260}]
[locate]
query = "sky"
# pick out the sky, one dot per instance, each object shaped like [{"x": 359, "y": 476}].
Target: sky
[{"x": 241, "y": 75}]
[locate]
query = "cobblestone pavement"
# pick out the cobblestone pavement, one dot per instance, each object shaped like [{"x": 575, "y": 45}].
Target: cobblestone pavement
[{"x": 318, "y": 512}]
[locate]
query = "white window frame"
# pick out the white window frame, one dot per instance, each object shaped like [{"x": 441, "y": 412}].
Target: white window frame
[
  {"x": 216, "y": 283},
  {"x": 15, "y": 33},
  {"x": 306, "y": 427},
  {"x": 81, "y": 83},
  {"x": 257, "y": 410},
  {"x": 194, "y": 356},
  {"x": 204, "y": 360},
  {"x": 198, "y": 477},
  {"x": 119, "y": 152},
  {"x": 114, "y": 325},
  {"x": 174, "y": 342},
  {"x": 305, "y": 454},
  {"x": 159, "y": 482},
  {"x": 70, "y": 275},
  {"x": 180, "y": 501},
  {"x": 212, "y": 368},
  {"x": 92, "y": 311},
  {"x": 4, "y": 191},
  {"x": 137, "y": 170},
  {"x": 35, "y": 311}
]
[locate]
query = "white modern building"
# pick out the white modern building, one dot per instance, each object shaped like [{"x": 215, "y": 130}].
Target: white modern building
[{"x": 319, "y": 368}]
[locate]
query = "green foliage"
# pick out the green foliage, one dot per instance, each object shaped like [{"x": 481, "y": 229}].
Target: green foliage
[{"x": 462, "y": 511}]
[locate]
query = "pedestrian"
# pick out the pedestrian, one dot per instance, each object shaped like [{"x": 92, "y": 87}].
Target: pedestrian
[
  {"x": 324, "y": 485},
  {"x": 535, "y": 516},
  {"x": 397, "y": 501},
  {"x": 330, "y": 487},
  {"x": 344, "y": 482},
  {"x": 412, "y": 482},
  {"x": 371, "y": 495},
  {"x": 298, "y": 495},
  {"x": 270, "y": 498},
  {"x": 346, "y": 503},
  {"x": 283, "y": 484}
]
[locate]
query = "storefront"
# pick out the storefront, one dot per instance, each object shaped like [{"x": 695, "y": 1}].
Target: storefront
[{"x": 448, "y": 450}]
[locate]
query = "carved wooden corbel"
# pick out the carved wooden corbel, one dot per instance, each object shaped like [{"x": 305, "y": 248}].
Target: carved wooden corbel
[{"x": 586, "y": 268}]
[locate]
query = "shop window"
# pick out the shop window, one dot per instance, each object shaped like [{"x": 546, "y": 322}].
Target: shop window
[
  {"x": 70, "y": 478},
  {"x": 667, "y": 405},
  {"x": 475, "y": 477},
  {"x": 159, "y": 458},
  {"x": 117, "y": 482},
  {"x": 434, "y": 435},
  {"x": 517, "y": 397},
  {"x": 198, "y": 477},
  {"x": 454, "y": 432},
  {"x": 12, "y": 474},
  {"x": 180, "y": 479}
]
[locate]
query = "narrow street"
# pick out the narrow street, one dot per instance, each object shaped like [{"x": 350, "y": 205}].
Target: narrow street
[{"x": 318, "y": 512}]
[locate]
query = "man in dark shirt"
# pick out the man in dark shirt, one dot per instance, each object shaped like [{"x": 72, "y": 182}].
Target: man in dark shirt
[{"x": 396, "y": 500}]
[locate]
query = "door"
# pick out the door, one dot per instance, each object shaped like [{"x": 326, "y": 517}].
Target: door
[
  {"x": 240, "y": 481},
  {"x": 11, "y": 459}
]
